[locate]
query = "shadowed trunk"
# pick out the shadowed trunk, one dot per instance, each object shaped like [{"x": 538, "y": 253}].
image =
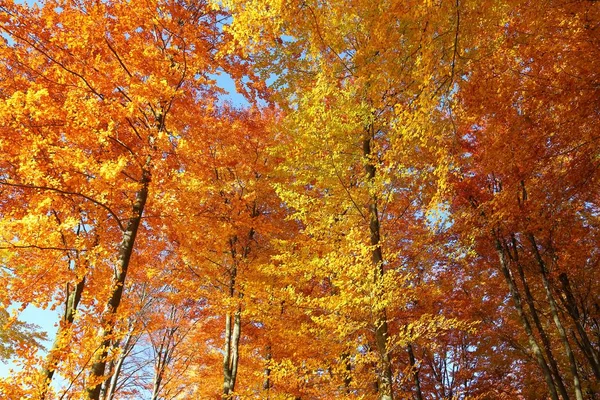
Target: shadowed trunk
[
  {"x": 573, "y": 310},
  {"x": 267, "y": 382},
  {"x": 516, "y": 297},
  {"x": 555, "y": 317},
  {"x": 415, "y": 372},
  {"x": 384, "y": 367},
  {"x": 537, "y": 322},
  {"x": 61, "y": 340},
  {"x": 98, "y": 367}
]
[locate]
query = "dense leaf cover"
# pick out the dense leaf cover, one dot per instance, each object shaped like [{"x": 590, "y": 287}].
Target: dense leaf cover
[{"x": 406, "y": 208}]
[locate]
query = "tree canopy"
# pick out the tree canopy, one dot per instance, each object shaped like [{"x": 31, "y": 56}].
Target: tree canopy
[{"x": 406, "y": 206}]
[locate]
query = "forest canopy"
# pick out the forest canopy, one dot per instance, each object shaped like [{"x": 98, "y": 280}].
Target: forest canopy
[{"x": 404, "y": 206}]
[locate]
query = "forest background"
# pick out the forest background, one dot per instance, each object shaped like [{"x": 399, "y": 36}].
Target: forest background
[{"x": 404, "y": 206}]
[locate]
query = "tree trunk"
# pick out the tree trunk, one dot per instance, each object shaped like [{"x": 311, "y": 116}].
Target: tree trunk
[
  {"x": 573, "y": 310},
  {"x": 535, "y": 348},
  {"x": 267, "y": 382},
  {"x": 536, "y": 320},
  {"x": 230, "y": 358},
  {"x": 61, "y": 340},
  {"x": 96, "y": 374},
  {"x": 111, "y": 387},
  {"x": 415, "y": 372},
  {"x": 555, "y": 317},
  {"x": 384, "y": 373},
  {"x": 232, "y": 327}
]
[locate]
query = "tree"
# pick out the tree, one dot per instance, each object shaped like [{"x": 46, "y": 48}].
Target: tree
[
  {"x": 225, "y": 243},
  {"x": 116, "y": 103},
  {"x": 359, "y": 141},
  {"x": 407, "y": 208},
  {"x": 523, "y": 174}
]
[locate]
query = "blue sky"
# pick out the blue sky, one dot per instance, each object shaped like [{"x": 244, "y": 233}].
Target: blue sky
[{"x": 45, "y": 319}]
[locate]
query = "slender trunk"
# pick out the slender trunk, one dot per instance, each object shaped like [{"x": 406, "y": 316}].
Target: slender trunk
[
  {"x": 156, "y": 386},
  {"x": 230, "y": 358},
  {"x": 110, "y": 371},
  {"x": 384, "y": 373},
  {"x": 267, "y": 382},
  {"x": 415, "y": 371},
  {"x": 437, "y": 376},
  {"x": 61, "y": 340},
  {"x": 227, "y": 357},
  {"x": 535, "y": 348},
  {"x": 105, "y": 385},
  {"x": 232, "y": 331},
  {"x": 111, "y": 388},
  {"x": 347, "y": 371},
  {"x": 573, "y": 310},
  {"x": 235, "y": 341},
  {"x": 164, "y": 356},
  {"x": 159, "y": 363},
  {"x": 96, "y": 374},
  {"x": 557, "y": 322},
  {"x": 536, "y": 320}
]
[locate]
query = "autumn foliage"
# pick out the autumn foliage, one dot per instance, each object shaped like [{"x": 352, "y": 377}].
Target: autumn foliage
[{"x": 405, "y": 205}]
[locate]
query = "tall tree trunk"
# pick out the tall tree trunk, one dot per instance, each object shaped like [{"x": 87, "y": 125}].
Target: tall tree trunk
[
  {"x": 415, "y": 372},
  {"x": 110, "y": 389},
  {"x": 555, "y": 317},
  {"x": 232, "y": 325},
  {"x": 231, "y": 356},
  {"x": 96, "y": 374},
  {"x": 573, "y": 310},
  {"x": 538, "y": 324},
  {"x": 516, "y": 297},
  {"x": 267, "y": 382},
  {"x": 164, "y": 356},
  {"x": 384, "y": 373},
  {"x": 61, "y": 340}
]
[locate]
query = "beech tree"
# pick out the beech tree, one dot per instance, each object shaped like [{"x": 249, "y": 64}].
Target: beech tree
[
  {"x": 359, "y": 141},
  {"x": 406, "y": 207},
  {"x": 527, "y": 163},
  {"x": 116, "y": 101}
]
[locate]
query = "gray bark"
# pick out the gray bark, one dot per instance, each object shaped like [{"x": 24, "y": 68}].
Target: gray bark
[{"x": 231, "y": 357}]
